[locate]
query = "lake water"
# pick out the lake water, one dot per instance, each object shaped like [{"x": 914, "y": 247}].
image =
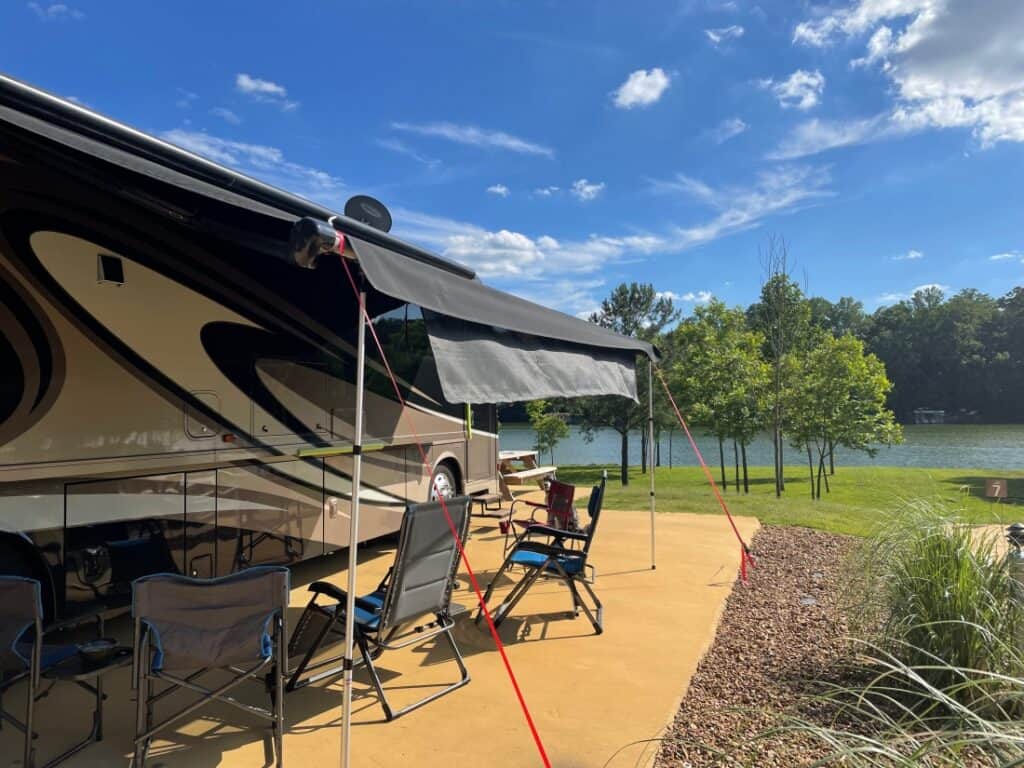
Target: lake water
[{"x": 925, "y": 445}]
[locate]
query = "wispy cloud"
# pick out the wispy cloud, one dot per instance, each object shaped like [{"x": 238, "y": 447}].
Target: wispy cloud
[
  {"x": 266, "y": 91},
  {"x": 780, "y": 190},
  {"x": 185, "y": 98},
  {"x": 546, "y": 191},
  {"x": 226, "y": 115},
  {"x": 727, "y": 129},
  {"x": 586, "y": 190},
  {"x": 499, "y": 190},
  {"x": 724, "y": 34},
  {"x": 897, "y": 296},
  {"x": 801, "y": 90},
  {"x": 1007, "y": 256},
  {"x": 400, "y": 147},
  {"x": 642, "y": 88},
  {"x": 474, "y": 136},
  {"x": 56, "y": 12},
  {"x": 264, "y": 162},
  {"x": 814, "y": 136},
  {"x": 911, "y": 255}
]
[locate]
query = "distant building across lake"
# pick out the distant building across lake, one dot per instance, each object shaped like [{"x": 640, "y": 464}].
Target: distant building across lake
[{"x": 929, "y": 416}]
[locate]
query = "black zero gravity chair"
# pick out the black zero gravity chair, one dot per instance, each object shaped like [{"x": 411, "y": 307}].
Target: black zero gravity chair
[
  {"x": 185, "y": 627},
  {"x": 418, "y": 586},
  {"x": 558, "y": 558}
]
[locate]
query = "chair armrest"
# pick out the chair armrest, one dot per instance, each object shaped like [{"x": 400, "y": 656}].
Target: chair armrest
[
  {"x": 556, "y": 533},
  {"x": 341, "y": 596},
  {"x": 326, "y": 588}
]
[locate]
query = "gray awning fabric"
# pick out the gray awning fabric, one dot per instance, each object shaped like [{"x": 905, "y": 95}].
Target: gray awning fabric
[
  {"x": 483, "y": 364},
  {"x": 439, "y": 290}
]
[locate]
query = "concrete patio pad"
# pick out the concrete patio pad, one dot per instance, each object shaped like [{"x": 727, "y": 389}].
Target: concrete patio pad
[{"x": 596, "y": 700}]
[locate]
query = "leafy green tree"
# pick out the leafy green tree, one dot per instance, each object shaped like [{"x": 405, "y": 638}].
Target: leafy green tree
[
  {"x": 837, "y": 396},
  {"x": 632, "y": 309},
  {"x": 549, "y": 428},
  {"x": 721, "y": 378}
]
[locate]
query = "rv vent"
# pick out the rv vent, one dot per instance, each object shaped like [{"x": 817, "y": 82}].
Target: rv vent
[{"x": 110, "y": 269}]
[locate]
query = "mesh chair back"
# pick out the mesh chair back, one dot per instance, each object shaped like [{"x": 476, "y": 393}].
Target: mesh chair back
[
  {"x": 198, "y": 623},
  {"x": 426, "y": 561},
  {"x": 21, "y": 607},
  {"x": 560, "y": 511},
  {"x": 594, "y": 511}
]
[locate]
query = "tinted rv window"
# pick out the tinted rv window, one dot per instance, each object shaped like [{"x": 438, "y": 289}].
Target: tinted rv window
[{"x": 404, "y": 337}]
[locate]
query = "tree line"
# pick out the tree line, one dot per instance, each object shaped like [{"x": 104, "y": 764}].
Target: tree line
[{"x": 812, "y": 373}]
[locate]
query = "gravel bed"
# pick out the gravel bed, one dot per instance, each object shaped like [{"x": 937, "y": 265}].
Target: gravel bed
[{"x": 778, "y": 635}]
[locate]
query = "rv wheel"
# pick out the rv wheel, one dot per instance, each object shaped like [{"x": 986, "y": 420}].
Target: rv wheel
[{"x": 442, "y": 483}]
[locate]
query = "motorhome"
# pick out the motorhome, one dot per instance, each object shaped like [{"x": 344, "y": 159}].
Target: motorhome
[{"x": 173, "y": 397}]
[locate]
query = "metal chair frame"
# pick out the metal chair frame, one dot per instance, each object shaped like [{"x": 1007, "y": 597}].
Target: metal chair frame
[{"x": 270, "y": 671}]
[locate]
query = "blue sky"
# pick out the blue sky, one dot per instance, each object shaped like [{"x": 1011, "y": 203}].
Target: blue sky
[{"x": 563, "y": 147}]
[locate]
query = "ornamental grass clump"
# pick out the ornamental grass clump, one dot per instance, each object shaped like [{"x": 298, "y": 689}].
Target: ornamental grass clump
[
  {"x": 936, "y": 676},
  {"x": 944, "y": 600}
]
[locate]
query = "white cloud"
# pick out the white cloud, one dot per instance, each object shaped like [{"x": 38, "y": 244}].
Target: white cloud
[
  {"x": 801, "y": 90},
  {"x": 477, "y": 137},
  {"x": 264, "y": 91},
  {"x": 690, "y": 297},
  {"x": 507, "y": 254},
  {"x": 185, "y": 98},
  {"x": 642, "y": 88},
  {"x": 546, "y": 191},
  {"x": 911, "y": 255},
  {"x": 781, "y": 190},
  {"x": 1006, "y": 256},
  {"x": 401, "y": 148},
  {"x": 226, "y": 115},
  {"x": 264, "y": 162},
  {"x": 498, "y": 189},
  {"x": 896, "y": 296},
  {"x": 587, "y": 190},
  {"x": 724, "y": 34},
  {"x": 56, "y": 12},
  {"x": 950, "y": 63},
  {"x": 728, "y": 129},
  {"x": 814, "y": 136}
]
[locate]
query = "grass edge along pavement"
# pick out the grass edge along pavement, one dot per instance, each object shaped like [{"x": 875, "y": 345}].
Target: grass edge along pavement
[{"x": 861, "y": 499}]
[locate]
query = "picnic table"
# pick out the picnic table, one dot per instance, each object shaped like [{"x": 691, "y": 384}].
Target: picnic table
[{"x": 521, "y": 468}]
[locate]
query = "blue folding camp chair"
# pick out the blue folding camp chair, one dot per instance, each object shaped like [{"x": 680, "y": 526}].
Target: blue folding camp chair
[{"x": 554, "y": 558}]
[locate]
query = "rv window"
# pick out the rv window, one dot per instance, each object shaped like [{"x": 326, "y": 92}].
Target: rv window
[{"x": 403, "y": 334}]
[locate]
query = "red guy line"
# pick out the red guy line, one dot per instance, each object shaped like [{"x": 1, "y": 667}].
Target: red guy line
[
  {"x": 458, "y": 540},
  {"x": 745, "y": 556}
]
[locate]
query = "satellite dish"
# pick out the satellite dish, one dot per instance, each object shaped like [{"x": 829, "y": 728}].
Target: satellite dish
[{"x": 369, "y": 211}]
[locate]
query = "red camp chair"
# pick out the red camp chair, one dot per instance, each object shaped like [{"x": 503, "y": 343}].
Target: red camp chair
[{"x": 560, "y": 513}]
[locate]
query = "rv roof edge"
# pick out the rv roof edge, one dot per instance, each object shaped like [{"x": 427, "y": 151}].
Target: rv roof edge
[{"x": 42, "y": 104}]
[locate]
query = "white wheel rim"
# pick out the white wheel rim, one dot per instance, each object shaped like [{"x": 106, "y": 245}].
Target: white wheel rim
[{"x": 441, "y": 487}]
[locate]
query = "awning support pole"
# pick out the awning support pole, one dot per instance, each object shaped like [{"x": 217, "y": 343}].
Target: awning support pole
[
  {"x": 353, "y": 539},
  {"x": 650, "y": 446}
]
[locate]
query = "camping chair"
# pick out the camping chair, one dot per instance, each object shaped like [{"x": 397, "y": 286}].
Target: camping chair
[
  {"x": 185, "y": 627},
  {"x": 555, "y": 558},
  {"x": 558, "y": 505},
  {"x": 24, "y": 657},
  {"x": 418, "y": 585}
]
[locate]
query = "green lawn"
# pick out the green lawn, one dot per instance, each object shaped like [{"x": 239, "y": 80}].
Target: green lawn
[{"x": 861, "y": 497}]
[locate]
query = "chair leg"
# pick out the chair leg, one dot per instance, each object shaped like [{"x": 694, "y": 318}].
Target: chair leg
[
  {"x": 517, "y": 594},
  {"x": 364, "y": 650},
  {"x": 30, "y": 707},
  {"x": 598, "y": 621},
  {"x": 279, "y": 675},
  {"x": 490, "y": 587},
  {"x": 143, "y": 709}
]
